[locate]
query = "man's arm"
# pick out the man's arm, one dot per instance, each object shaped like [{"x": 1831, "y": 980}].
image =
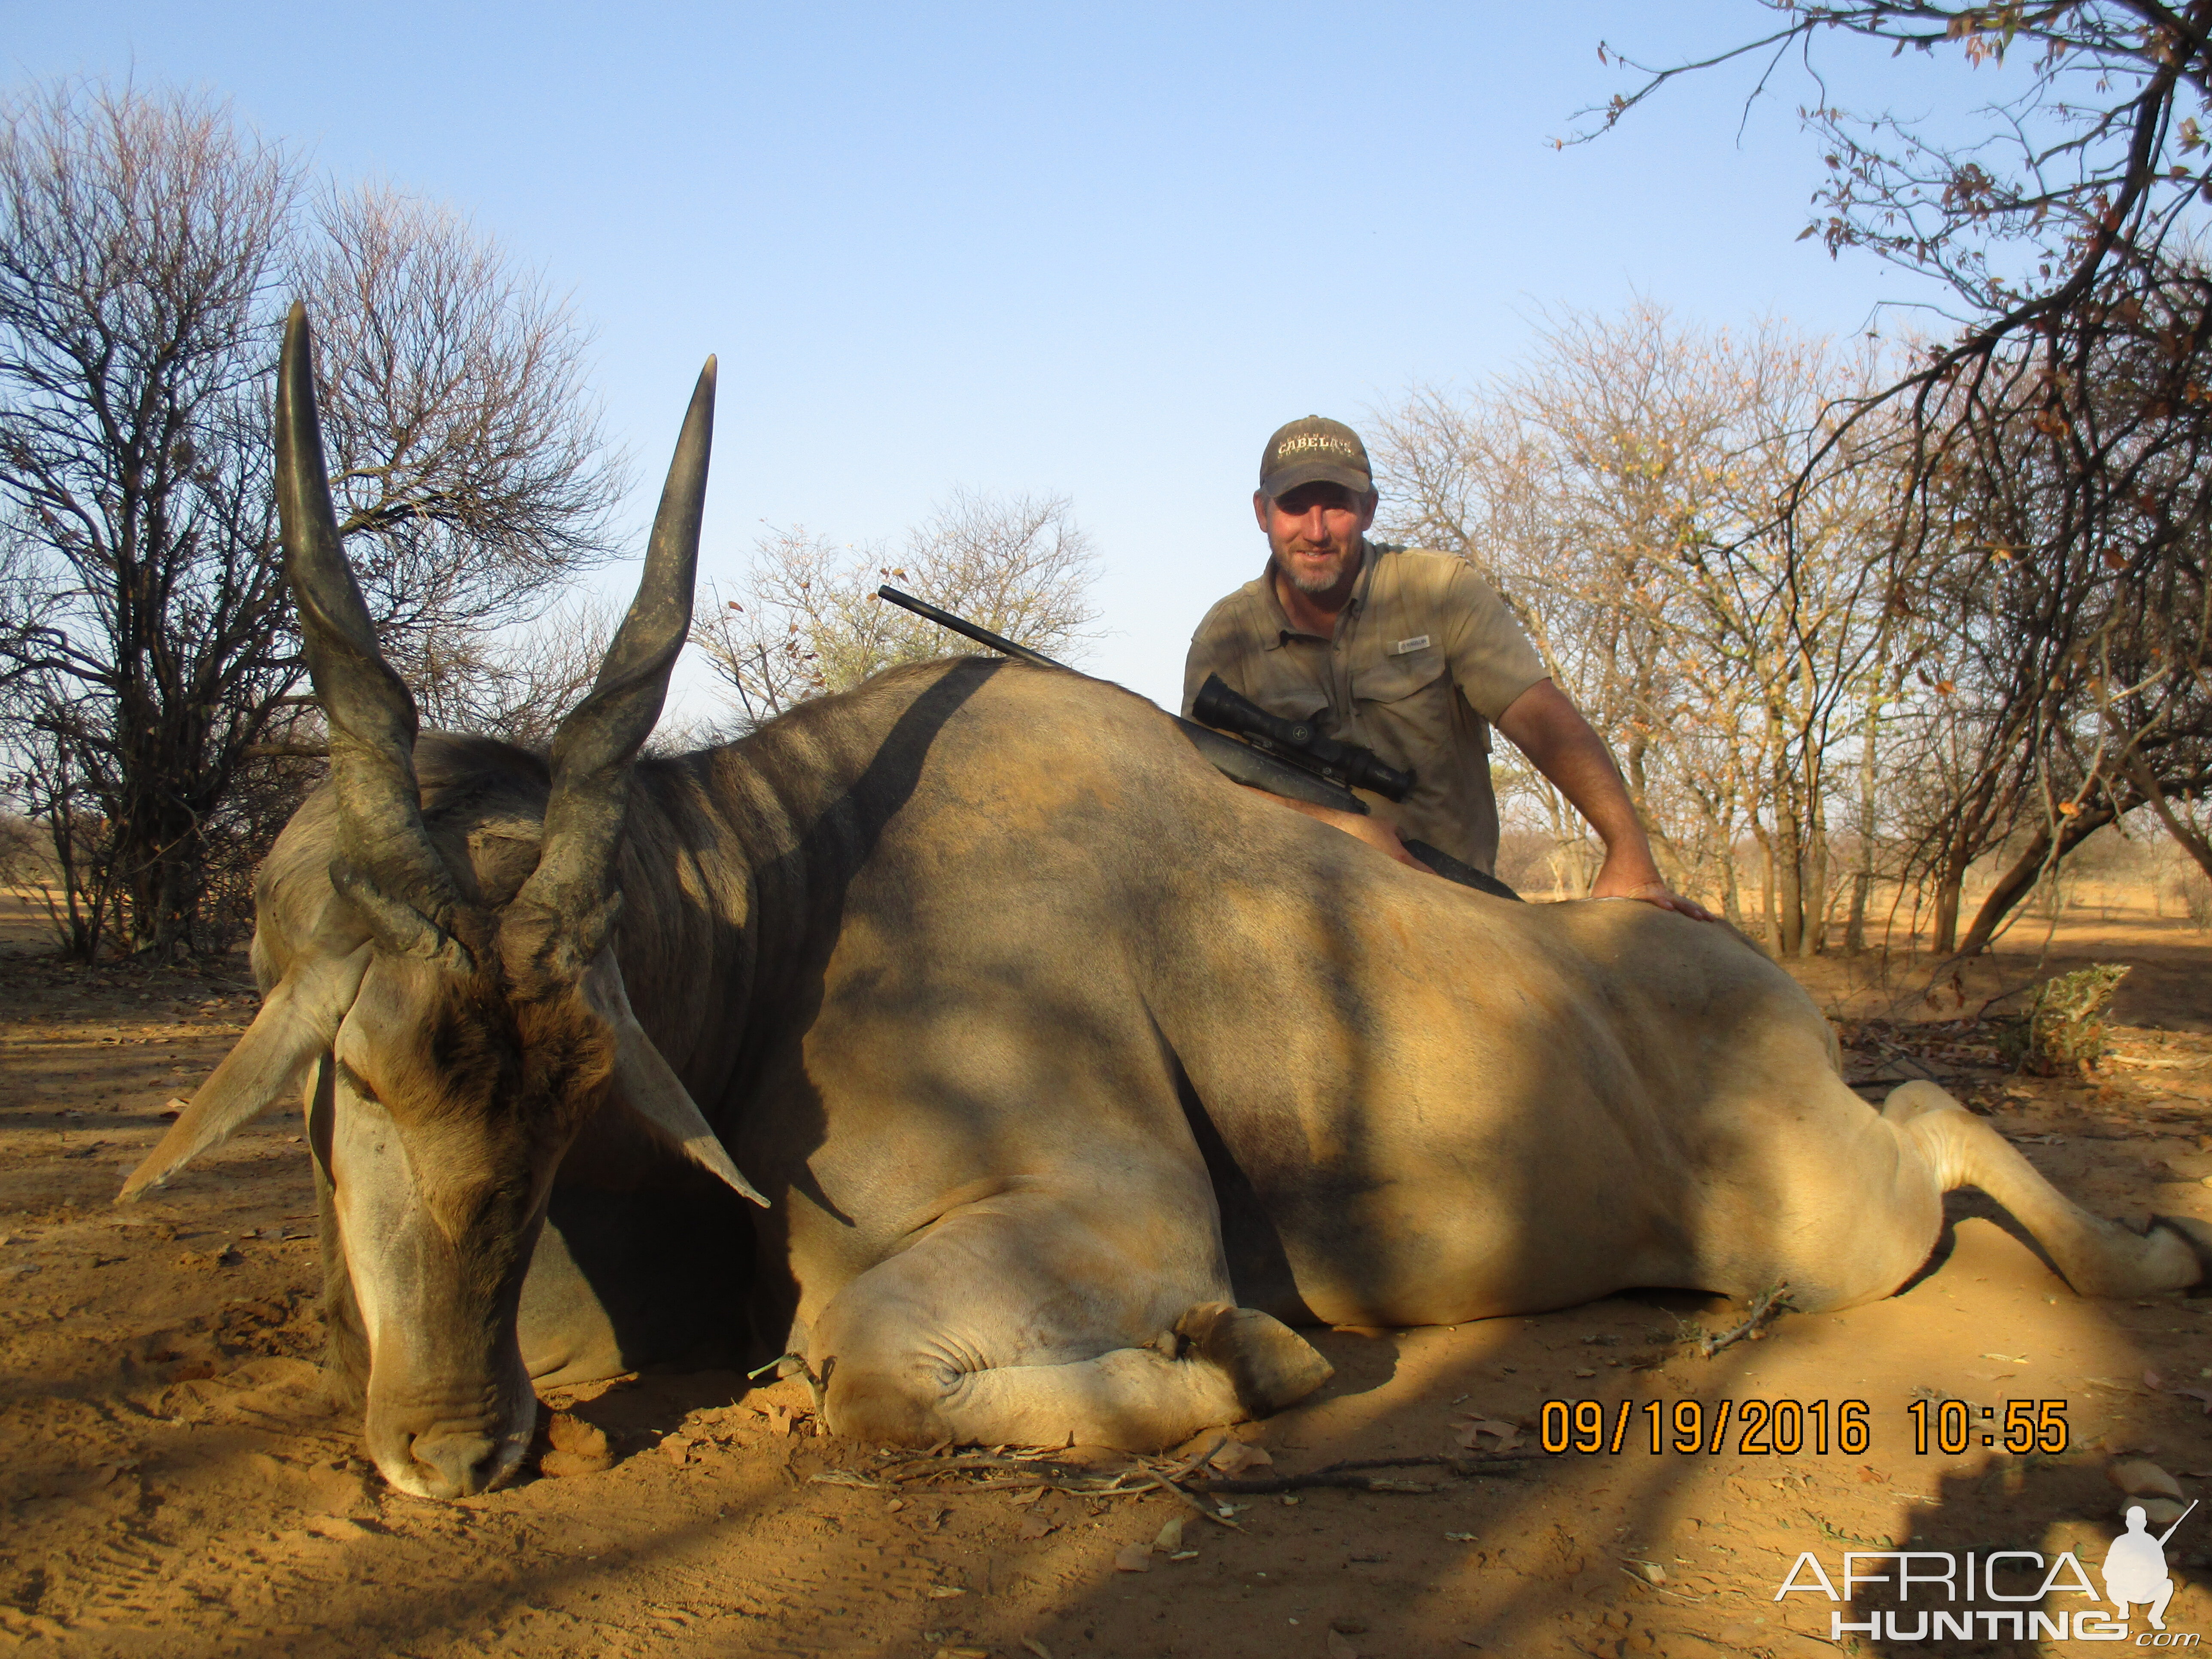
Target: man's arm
[
  {"x": 1552, "y": 732},
  {"x": 1216, "y": 647}
]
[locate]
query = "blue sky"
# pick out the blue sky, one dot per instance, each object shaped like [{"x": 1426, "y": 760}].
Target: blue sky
[{"x": 1097, "y": 250}]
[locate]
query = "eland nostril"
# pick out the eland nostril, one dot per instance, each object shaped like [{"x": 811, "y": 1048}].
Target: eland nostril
[{"x": 458, "y": 1465}]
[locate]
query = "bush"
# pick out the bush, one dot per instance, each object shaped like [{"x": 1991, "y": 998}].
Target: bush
[{"x": 2063, "y": 1030}]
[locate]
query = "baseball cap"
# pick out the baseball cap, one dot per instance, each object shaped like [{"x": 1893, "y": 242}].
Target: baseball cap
[{"x": 1315, "y": 450}]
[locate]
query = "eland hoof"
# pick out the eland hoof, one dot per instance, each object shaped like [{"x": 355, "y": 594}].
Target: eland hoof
[{"x": 1268, "y": 1363}]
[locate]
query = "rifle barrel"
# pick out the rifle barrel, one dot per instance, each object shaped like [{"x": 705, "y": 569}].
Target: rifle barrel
[{"x": 967, "y": 629}]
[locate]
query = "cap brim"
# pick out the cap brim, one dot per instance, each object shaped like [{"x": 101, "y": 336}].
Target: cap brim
[{"x": 1277, "y": 484}]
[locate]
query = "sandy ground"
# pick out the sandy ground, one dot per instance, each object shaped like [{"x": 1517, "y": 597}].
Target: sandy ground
[{"x": 173, "y": 1485}]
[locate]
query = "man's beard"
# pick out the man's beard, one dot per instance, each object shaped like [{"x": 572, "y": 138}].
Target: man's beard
[{"x": 1316, "y": 583}]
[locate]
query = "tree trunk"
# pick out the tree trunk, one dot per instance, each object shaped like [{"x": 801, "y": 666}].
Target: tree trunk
[
  {"x": 1768, "y": 913},
  {"x": 1949, "y": 880},
  {"x": 81, "y": 908},
  {"x": 1785, "y": 855},
  {"x": 1815, "y": 939},
  {"x": 163, "y": 857},
  {"x": 1788, "y": 858},
  {"x": 1862, "y": 877},
  {"x": 1855, "y": 924},
  {"x": 1812, "y": 861},
  {"x": 1731, "y": 893},
  {"x": 2017, "y": 883}
]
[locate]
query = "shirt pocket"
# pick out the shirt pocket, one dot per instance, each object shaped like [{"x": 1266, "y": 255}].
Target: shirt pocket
[
  {"x": 1394, "y": 679},
  {"x": 1403, "y": 704},
  {"x": 1286, "y": 683}
]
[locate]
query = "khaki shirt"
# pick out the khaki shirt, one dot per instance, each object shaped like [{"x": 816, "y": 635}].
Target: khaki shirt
[{"x": 1424, "y": 658}]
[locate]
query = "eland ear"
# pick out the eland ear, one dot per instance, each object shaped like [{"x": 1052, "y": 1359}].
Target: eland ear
[
  {"x": 650, "y": 1088},
  {"x": 296, "y": 1022},
  {"x": 649, "y": 1084}
]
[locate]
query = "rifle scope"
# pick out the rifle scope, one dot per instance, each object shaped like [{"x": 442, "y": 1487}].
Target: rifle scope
[{"x": 1229, "y": 711}]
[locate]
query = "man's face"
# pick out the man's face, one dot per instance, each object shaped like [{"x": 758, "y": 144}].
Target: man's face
[{"x": 1314, "y": 532}]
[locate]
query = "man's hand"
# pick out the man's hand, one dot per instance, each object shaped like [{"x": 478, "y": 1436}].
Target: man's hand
[{"x": 1620, "y": 878}]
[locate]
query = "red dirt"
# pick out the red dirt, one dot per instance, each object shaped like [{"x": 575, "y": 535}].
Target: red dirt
[{"x": 173, "y": 1485}]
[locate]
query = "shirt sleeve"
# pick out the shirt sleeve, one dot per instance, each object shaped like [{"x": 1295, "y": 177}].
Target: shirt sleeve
[
  {"x": 1492, "y": 660},
  {"x": 1218, "y": 648}
]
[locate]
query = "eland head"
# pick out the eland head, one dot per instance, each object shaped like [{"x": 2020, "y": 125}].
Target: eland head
[{"x": 452, "y": 1042}]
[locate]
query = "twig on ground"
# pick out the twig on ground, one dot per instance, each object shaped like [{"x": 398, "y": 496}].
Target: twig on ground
[
  {"x": 1354, "y": 1476},
  {"x": 1190, "y": 1466},
  {"x": 1768, "y": 1305},
  {"x": 1038, "y": 1467},
  {"x": 1642, "y": 1583},
  {"x": 1208, "y": 1511},
  {"x": 922, "y": 1468},
  {"x": 816, "y": 1385}
]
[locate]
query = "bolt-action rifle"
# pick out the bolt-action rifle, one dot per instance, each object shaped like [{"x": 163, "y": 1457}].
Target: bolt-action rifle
[{"x": 1285, "y": 758}]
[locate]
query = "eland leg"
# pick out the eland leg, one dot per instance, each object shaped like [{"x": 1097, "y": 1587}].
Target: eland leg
[
  {"x": 2098, "y": 1257},
  {"x": 1019, "y": 1320}
]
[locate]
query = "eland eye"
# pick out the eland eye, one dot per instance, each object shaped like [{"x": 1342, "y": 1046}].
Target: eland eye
[{"x": 355, "y": 1081}]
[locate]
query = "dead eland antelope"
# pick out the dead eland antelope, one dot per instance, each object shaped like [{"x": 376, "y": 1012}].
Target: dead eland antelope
[{"x": 1071, "y": 1071}]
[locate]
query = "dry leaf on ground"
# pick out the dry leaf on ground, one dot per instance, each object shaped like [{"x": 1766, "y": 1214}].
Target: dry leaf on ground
[
  {"x": 1507, "y": 1436},
  {"x": 1235, "y": 1457}
]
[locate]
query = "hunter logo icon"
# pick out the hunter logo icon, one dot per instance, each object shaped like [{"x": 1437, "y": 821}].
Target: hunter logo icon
[{"x": 2135, "y": 1567}]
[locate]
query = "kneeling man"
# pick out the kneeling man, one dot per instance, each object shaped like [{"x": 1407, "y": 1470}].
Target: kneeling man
[{"x": 1408, "y": 653}]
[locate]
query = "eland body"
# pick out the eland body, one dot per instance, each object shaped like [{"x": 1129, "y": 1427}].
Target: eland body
[{"x": 1070, "y": 1075}]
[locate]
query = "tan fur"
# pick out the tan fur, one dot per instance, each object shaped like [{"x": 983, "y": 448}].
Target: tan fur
[{"x": 1072, "y": 1071}]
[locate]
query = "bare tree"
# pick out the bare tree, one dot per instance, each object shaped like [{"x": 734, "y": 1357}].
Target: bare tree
[
  {"x": 2061, "y": 454},
  {"x": 517, "y": 684},
  {"x": 1622, "y": 488},
  {"x": 807, "y": 621},
  {"x": 145, "y": 247},
  {"x": 467, "y": 461}
]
